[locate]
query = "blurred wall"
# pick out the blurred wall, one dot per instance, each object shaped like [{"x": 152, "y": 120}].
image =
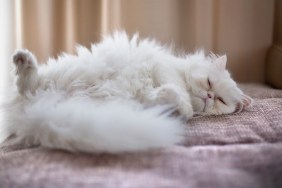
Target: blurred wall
[
  {"x": 274, "y": 57},
  {"x": 242, "y": 29},
  {"x": 278, "y": 23}
]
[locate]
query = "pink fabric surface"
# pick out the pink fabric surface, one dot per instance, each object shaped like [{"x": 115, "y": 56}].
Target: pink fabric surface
[{"x": 239, "y": 150}]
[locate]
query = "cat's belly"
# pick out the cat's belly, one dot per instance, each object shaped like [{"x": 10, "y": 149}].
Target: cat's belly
[{"x": 130, "y": 82}]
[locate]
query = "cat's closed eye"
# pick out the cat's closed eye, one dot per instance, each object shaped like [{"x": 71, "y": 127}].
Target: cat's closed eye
[
  {"x": 209, "y": 83},
  {"x": 221, "y": 100}
]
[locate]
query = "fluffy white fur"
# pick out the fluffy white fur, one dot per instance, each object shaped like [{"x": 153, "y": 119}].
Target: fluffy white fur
[{"x": 117, "y": 97}]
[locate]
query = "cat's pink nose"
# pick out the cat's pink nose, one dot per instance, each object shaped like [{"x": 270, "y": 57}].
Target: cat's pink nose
[{"x": 210, "y": 95}]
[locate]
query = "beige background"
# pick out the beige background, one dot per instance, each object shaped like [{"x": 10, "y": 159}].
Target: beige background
[{"x": 243, "y": 29}]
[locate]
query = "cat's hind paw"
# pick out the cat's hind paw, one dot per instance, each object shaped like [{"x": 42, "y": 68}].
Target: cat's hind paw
[{"x": 25, "y": 61}]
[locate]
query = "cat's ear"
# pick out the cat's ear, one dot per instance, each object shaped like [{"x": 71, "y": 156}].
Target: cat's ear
[
  {"x": 220, "y": 62},
  {"x": 247, "y": 101}
]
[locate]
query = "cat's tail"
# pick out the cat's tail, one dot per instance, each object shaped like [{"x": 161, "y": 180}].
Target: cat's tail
[{"x": 81, "y": 124}]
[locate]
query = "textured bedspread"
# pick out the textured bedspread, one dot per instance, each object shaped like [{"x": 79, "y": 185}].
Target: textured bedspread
[{"x": 240, "y": 150}]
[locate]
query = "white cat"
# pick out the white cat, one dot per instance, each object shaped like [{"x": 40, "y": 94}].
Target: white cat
[{"x": 117, "y": 97}]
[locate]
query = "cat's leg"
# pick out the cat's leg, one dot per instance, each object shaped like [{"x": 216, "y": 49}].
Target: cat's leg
[
  {"x": 185, "y": 106},
  {"x": 26, "y": 71},
  {"x": 172, "y": 88},
  {"x": 173, "y": 95}
]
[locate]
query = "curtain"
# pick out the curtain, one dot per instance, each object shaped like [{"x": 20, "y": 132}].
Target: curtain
[
  {"x": 243, "y": 29},
  {"x": 6, "y": 42}
]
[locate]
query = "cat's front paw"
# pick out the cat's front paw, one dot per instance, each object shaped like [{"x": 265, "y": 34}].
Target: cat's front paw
[
  {"x": 166, "y": 94},
  {"x": 185, "y": 109},
  {"x": 24, "y": 61}
]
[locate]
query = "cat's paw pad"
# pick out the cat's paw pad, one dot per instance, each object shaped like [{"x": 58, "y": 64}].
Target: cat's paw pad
[{"x": 24, "y": 60}]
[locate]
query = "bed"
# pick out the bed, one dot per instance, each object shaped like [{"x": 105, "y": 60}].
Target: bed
[{"x": 239, "y": 150}]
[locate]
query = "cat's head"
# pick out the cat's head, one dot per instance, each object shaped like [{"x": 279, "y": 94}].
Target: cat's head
[{"x": 211, "y": 88}]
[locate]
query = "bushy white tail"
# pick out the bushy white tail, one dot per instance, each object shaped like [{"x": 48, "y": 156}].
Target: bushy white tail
[{"x": 81, "y": 124}]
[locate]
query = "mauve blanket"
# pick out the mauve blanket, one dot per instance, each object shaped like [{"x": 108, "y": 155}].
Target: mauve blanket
[{"x": 239, "y": 150}]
